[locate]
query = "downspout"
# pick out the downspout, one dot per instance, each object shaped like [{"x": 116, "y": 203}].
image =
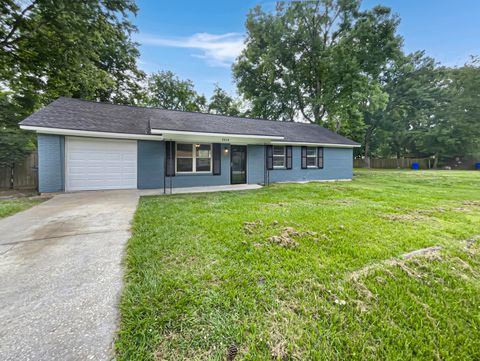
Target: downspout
[
  {"x": 171, "y": 167},
  {"x": 165, "y": 171}
]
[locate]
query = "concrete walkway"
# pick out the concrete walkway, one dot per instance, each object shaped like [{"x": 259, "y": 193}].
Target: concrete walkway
[{"x": 61, "y": 276}]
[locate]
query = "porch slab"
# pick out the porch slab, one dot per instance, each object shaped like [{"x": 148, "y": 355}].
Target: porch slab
[{"x": 224, "y": 188}]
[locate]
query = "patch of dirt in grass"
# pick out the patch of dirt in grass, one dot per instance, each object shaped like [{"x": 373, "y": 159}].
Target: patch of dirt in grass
[
  {"x": 428, "y": 253},
  {"x": 472, "y": 245},
  {"x": 286, "y": 237},
  {"x": 249, "y": 227},
  {"x": 404, "y": 217}
]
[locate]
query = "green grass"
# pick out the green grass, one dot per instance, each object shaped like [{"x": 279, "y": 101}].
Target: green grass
[
  {"x": 197, "y": 282},
  {"x": 9, "y": 207}
]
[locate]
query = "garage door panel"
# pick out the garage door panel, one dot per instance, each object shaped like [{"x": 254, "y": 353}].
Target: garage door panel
[{"x": 94, "y": 163}]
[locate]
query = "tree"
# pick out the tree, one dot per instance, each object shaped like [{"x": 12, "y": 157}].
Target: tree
[
  {"x": 453, "y": 131},
  {"x": 165, "y": 90},
  {"x": 413, "y": 88},
  {"x": 316, "y": 60},
  {"x": 51, "y": 48},
  {"x": 222, "y": 103}
]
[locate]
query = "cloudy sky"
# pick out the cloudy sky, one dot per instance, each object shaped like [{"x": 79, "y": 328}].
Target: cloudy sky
[{"x": 199, "y": 40}]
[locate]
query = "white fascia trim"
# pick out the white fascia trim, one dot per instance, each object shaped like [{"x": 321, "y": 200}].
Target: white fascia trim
[
  {"x": 328, "y": 145},
  {"x": 225, "y": 135},
  {"x": 87, "y": 133}
]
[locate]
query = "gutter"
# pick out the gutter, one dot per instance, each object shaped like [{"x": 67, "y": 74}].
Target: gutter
[{"x": 87, "y": 133}]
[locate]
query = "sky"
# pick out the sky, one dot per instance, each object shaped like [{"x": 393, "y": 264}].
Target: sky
[{"x": 199, "y": 39}]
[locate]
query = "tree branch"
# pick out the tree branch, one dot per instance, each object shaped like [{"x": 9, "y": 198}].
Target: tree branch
[{"x": 17, "y": 22}]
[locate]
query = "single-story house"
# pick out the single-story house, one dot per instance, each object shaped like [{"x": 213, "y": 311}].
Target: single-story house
[{"x": 86, "y": 145}]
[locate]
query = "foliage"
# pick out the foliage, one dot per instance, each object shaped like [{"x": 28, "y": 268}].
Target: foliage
[
  {"x": 431, "y": 111},
  {"x": 196, "y": 282},
  {"x": 52, "y": 48},
  {"x": 454, "y": 130},
  {"x": 315, "y": 60},
  {"x": 15, "y": 145},
  {"x": 222, "y": 103},
  {"x": 12, "y": 206},
  {"x": 165, "y": 90}
]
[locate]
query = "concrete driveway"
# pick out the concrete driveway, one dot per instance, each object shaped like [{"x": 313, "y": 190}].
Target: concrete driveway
[{"x": 61, "y": 276}]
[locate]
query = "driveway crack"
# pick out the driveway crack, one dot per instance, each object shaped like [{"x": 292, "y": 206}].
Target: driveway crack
[{"x": 55, "y": 237}]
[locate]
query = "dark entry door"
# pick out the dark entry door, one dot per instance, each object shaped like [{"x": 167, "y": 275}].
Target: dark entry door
[{"x": 238, "y": 164}]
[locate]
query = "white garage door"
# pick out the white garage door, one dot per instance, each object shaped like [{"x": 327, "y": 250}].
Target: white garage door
[{"x": 97, "y": 163}]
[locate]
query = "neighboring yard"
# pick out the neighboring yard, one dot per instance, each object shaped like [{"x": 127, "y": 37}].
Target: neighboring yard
[
  {"x": 12, "y": 206},
  {"x": 199, "y": 280}
]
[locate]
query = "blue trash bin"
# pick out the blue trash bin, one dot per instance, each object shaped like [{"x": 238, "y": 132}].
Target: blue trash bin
[
  {"x": 415, "y": 166},
  {"x": 477, "y": 166}
]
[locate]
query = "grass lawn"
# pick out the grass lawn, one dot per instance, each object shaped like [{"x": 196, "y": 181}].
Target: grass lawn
[
  {"x": 12, "y": 206},
  {"x": 332, "y": 286}
]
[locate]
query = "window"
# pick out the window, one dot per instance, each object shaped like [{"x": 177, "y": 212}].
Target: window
[
  {"x": 194, "y": 158},
  {"x": 312, "y": 156},
  {"x": 278, "y": 156}
]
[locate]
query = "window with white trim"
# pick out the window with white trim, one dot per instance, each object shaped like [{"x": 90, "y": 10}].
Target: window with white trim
[
  {"x": 312, "y": 157},
  {"x": 193, "y": 158},
  {"x": 279, "y": 155}
]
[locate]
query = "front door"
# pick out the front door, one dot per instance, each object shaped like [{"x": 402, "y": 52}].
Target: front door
[{"x": 238, "y": 164}]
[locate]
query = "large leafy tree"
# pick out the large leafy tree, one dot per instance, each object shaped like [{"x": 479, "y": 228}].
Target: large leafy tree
[
  {"x": 413, "y": 89},
  {"x": 316, "y": 60},
  {"x": 166, "y": 90},
  {"x": 222, "y": 103},
  {"x": 453, "y": 131},
  {"x": 50, "y": 48}
]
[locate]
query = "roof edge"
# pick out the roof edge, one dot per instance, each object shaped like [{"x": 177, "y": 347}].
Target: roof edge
[{"x": 89, "y": 133}]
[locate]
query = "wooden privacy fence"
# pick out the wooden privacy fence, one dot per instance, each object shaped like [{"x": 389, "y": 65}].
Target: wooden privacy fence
[
  {"x": 393, "y": 163},
  {"x": 25, "y": 174}
]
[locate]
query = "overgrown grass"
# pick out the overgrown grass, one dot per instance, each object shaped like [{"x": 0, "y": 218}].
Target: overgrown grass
[
  {"x": 12, "y": 206},
  {"x": 198, "y": 281}
]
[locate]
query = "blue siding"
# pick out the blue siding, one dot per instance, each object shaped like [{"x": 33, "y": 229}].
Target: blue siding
[
  {"x": 150, "y": 164},
  {"x": 256, "y": 164},
  {"x": 51, "y": 163},
  {"x": 338, "y": 164}
]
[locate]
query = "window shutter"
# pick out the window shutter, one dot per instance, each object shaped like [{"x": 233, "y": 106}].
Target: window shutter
[
  {"x": 304, "y": 157},
  {"x": 269, "y": 155},
  {"x": 170, "y": 159},
  {"x": 288, "y": 155},
  {"x": 217, "y": 158},
  {"x": 320, "y": 157}
]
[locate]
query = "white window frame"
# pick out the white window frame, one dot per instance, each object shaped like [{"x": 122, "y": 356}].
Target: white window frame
[
  {"x": 194, "y": 158},
  {"x": 284, "y": 157},
  {"x": 313, "y": 156}
]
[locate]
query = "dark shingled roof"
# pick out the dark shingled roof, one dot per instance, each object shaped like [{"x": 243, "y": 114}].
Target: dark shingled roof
[{"x": 76, "y": 114}]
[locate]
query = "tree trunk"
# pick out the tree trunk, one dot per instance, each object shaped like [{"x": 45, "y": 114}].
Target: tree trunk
[
  {"x": 367, "y": 153},
  {"x": 12, "y": 173},
  {"x": 435, "y": 161},
  {"x": 398, "y": 160}
]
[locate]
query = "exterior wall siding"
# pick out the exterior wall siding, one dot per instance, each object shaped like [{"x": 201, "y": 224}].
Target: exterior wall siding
[
  {"x": 255, "y": 164},
  {"x": 338, "y": 164},
  {"x": 51, "y": 163},
  {"x": 150, "y": 163}
]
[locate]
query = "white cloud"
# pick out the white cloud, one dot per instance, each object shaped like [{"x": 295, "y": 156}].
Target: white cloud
[{"x": 217, "y": 50}]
